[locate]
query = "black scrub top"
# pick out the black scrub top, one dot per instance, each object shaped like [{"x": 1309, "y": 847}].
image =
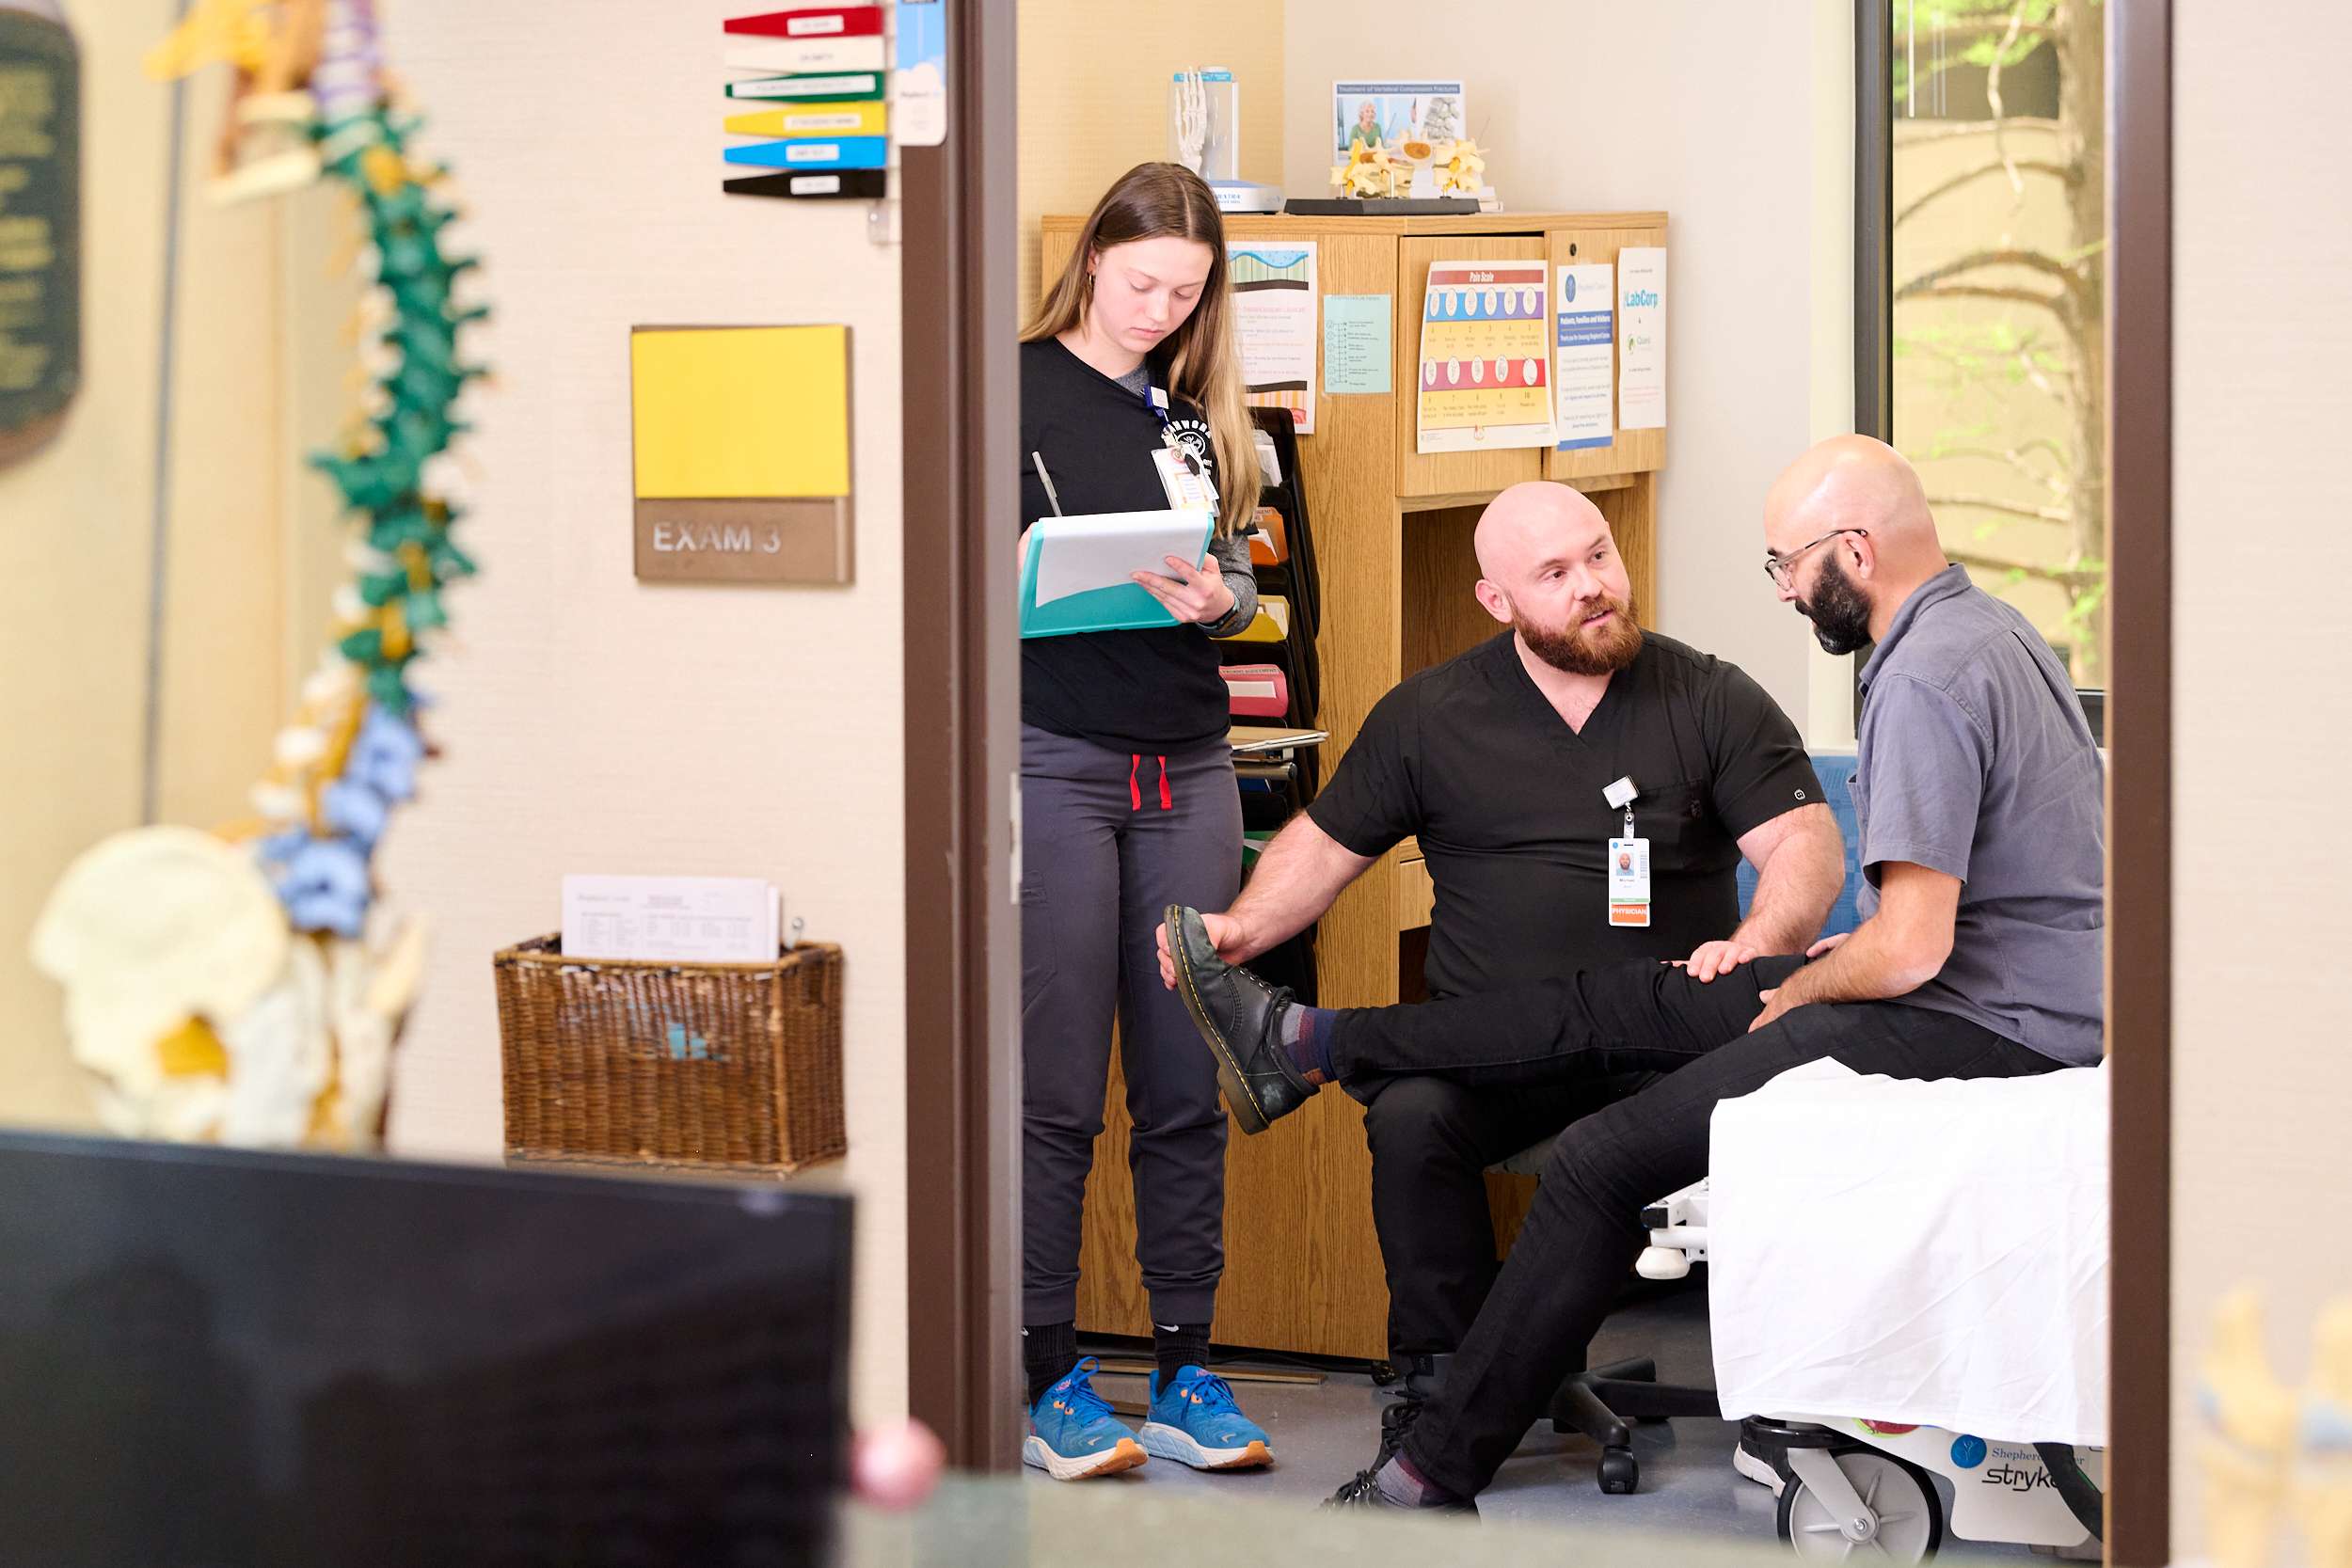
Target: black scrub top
[
  {"x": 1154, "y": 688},
  {"x": 1507, "y": 802}
]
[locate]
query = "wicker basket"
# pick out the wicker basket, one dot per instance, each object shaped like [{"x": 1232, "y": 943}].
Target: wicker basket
[{"x": 726, "y": 1066}]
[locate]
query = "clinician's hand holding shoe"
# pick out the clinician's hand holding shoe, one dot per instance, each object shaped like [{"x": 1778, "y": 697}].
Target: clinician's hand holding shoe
[{"x": 1225, "y": 934}]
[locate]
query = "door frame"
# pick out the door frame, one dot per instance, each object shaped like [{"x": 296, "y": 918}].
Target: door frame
[
  {"x": 960, "y": 402},
  {"x": 962, "y": 695},
  {"x": 2139, "y": 782}
]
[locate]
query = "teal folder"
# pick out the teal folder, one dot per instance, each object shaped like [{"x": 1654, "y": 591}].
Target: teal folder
[{"x": 1122, "y": 607}]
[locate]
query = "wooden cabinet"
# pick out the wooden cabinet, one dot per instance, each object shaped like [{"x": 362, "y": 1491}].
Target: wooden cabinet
[{"x": 1393, "y": 538}]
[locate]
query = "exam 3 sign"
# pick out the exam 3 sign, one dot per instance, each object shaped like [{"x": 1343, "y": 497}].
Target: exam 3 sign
[{"x": 767, "y": 539}]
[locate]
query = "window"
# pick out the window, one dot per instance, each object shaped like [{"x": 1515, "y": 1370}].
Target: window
[{"x": 1981, "y": 227}]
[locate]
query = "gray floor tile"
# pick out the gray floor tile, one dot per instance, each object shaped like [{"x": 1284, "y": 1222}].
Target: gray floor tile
[{"x": 1322, "y": 1434}]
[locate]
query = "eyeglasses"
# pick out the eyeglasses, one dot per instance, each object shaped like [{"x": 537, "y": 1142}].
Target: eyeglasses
[{"x": 1777, "y": 568}]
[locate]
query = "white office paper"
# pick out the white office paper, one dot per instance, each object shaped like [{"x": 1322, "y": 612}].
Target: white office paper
[
  {"x": 1585, "y": 316},
  {"x": 672, "y": 919},
  {"x": 1642, "y": 329},
  {"x": 1106, "y": 548}
]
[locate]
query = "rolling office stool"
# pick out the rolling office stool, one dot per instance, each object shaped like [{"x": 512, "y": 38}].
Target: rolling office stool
[{"x": 1602, "y": 1403}]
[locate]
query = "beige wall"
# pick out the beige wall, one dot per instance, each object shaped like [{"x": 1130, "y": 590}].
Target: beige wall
[
  {"x": 592, "y": 724},
  {"x": 241, "y": 593},
  {"x": 1094, "y": 78},
  {"x": 1596, "y": 106},
  {"x": 2262, "y": 1090},
  {"x": 260, "y": 377},
  {"x": 589, "y": 723}
]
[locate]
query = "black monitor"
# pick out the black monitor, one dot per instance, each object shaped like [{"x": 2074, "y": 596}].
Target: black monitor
[{"x": 213, "y": 1358}]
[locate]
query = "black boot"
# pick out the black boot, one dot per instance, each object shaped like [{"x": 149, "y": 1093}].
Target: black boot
[
  {"x": 1241, "y": 1017},
  {"x": 1364, "y": 1492},
  {"x": 1423, "y": 1376}
]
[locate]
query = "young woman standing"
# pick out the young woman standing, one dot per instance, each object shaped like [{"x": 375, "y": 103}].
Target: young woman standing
[{"x": 1128, "y": 805}]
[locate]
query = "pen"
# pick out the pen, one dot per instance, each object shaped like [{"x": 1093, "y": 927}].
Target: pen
[{"x": 1044, "y": 479}]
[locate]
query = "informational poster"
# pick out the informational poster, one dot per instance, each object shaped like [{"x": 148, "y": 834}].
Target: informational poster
[
  {"x": 1356, "y": 346},
  {"x": 920, "y": 79},
  {"x": 1407, "y": 116},
  {"x": 1585, "y": 316},
  {"x": 1642, "y": 329},
  {"x": 1486, "y": 357},
  {"x": 1274, "y": 325}
]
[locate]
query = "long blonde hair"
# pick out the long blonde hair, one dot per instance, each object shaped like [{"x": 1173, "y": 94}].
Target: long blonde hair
[{"x": 1154, "y": 201}]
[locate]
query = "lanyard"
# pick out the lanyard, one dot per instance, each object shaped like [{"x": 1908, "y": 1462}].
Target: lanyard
[{"x": 1183, "y": 475}]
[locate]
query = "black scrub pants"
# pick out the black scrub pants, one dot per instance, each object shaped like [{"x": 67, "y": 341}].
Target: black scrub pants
[
  {"x": 1432, "y": 1139},
  {"x": 1585, "y": 1230}
]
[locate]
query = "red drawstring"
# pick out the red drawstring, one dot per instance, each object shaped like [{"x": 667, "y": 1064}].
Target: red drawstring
[{"x": 1135, "y": 789}]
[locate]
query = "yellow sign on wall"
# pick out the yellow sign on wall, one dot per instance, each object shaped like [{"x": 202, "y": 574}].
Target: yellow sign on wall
[{"x": 742, "y": 453}]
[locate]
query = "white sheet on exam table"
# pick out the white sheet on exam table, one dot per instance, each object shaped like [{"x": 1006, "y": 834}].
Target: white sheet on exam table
[{"x": 1932, "y": 1253}]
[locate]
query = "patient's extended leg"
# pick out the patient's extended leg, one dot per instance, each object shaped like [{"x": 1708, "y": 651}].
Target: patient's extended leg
[{"x": 1638, "y": 1016}]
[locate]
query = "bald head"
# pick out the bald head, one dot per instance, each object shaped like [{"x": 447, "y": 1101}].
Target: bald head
[
  {"x": 1548, "y": 569},
  {"x": 1853, "y": 482},
  {"x": 1532, "y": 523},
  {"x": 1851, "y": 527}
]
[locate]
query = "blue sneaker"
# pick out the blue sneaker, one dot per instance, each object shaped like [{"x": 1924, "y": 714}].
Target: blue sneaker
[
  {"x": 1073, "y": 1433},
  {"x": 1194, "y": 1422}
]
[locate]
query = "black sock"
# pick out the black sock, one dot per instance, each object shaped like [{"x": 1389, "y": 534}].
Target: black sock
[
  {"x": 1176, "y": 1346},
  {"x": 1048, "y": 1350}
]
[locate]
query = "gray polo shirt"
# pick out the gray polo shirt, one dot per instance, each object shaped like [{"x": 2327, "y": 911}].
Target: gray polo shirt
[{"x": 1974, "y": 761}]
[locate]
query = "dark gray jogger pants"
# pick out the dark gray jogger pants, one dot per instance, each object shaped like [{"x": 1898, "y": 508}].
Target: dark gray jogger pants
[{"x": 1108, "y": 840}]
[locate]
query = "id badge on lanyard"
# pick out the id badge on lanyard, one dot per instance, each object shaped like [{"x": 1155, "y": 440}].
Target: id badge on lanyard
[
  {"x": 1629, "y": 863},
  {"x": 1184, "y": 478}
]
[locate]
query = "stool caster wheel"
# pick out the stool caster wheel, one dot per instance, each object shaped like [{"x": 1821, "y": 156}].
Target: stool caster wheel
[{"x": 1618, "y": 1472}]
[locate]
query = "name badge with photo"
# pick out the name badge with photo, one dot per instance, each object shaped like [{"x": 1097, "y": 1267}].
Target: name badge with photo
[
  {"x": 1184, "y": 479},
  {"x": 1628, "y": 881}
]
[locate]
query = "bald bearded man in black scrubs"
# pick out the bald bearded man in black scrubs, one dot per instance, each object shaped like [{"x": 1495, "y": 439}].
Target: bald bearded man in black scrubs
[{"x": 1502, "y": 762}]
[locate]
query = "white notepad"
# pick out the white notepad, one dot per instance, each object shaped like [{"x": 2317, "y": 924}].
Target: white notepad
[{"x": 1105, "y": 548}]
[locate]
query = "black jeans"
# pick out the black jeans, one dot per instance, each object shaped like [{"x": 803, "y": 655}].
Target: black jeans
[
  {"x": 1432, "y": 1139},
  {"x": 1584, "y": 1231}
]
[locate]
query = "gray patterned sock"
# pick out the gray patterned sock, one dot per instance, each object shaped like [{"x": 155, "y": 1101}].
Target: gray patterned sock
[{"x": 1400, "y": 1487}]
